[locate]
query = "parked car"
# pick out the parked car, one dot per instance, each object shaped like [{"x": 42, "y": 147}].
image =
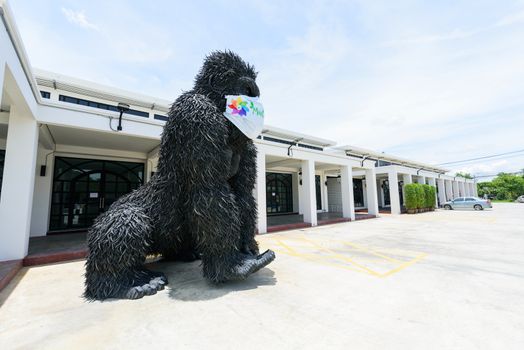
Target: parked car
[
  {"x": 520, "y": 199},
  {"x": 468, "y": 203}
]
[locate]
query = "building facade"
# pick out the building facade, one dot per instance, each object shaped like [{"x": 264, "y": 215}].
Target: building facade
[{"x": 63, "y": 161}]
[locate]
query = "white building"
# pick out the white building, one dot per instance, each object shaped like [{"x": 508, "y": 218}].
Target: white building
[{"x": 62, "y": 161}]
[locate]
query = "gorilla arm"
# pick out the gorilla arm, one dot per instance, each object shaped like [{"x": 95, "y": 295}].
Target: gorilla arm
[
  {"x": 199, "y": 134},
  {"x": 242, "y": 184}
]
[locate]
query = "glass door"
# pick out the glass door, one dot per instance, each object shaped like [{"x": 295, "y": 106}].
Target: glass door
[
  {"x": 279, "y": 193},
  {"x": 84, "y": 188},
  {"x": 358, "y": 193},
  {"x": 385, "y": 192},
  {"x": 318, "y": 192}
]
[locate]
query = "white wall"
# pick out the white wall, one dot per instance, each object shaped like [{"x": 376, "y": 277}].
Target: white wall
[
  {"x": 42, "y": 194},
  {"x": 296, "y": 189}
]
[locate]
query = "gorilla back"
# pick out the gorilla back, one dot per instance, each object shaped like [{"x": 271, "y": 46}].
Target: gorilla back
[{"x": 199, "y": 203}]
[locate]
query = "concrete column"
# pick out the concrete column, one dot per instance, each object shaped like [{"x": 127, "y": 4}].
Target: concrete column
[
  {"x": 309, "y": 198},
  {"x": 18, "y": 184},
  {"x": 422, "y": 179},
  {"x": 449, "y": 189},
  {"x": 462, "y": 191},
  {"x": 432, "y": 182},
  {"x": 475, "y": 193},
  {"x": 371, "y": 191},
  {"x": 394, "y": 198},
  {"x": 261, "y": 192},
  {"x": 456, "y": 193},
  {"x": 42, "y": 193},
  {"x": 441, "y": 191},
  {"x": 149, "y": 169},
  {"x": 346, "y": 186}
]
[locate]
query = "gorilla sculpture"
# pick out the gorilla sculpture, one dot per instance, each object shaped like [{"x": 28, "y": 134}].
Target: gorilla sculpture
[{"x": 198, "y": 204}]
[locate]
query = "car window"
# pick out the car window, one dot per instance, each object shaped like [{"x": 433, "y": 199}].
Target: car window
[
  {"x": 470, "y": 199},
  {"x": 458, "y": 200}
]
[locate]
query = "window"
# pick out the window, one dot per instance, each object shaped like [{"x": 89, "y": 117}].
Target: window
[
  {"x": 291, "y": 143},
  {"x": 279, "y": 193},
  {"x": 272, "y": 139},
  {"x": 469, "y": 199},
  {"x": 458, "y": 200},
  {"x": 82, "y": 102},
  {"x": 45, "y": 94},
  {"x": 310, "y": 147},
  {"x": 137, "y": 113},
  {"x": 161, "y": 117}
]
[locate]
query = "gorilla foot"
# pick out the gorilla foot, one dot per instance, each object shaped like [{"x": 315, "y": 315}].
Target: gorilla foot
[
  {"x": 154, "y": 285},
  {"x": 249, "y": 265},
  {"x": 254, "y": 263}
]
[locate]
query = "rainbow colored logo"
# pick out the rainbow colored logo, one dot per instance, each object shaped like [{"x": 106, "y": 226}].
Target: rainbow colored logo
[{"x": 242, "y": 108}]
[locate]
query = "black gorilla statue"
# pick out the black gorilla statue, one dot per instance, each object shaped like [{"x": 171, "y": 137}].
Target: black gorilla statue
[{"x": 198, "y": 204}]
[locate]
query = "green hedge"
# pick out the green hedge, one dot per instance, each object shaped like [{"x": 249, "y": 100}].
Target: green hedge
[
  {"x": 418, "y": 196},
  {"x": 429, "y": 198},
  {"x": 411, "y": 195},
  {"x": 421, "y": 197}
]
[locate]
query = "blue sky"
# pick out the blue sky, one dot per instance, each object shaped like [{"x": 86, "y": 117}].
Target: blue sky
[{"x": 435, "y": 81}]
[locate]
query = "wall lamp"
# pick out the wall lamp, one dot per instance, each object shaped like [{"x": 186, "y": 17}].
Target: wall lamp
[{"x": 122, "y": 107}]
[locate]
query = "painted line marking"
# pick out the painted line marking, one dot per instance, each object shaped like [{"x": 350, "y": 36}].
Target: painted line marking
[{"x": 341, "y": 259}]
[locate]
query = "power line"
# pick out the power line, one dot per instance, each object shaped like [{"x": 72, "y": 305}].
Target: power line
[
  {"x": 515, "y": 173},
  {"x": 480, "y": 158},
  {"x": 479, "y": 161}
]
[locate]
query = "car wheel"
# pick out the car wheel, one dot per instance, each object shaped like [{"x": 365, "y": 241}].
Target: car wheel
[
  {"x": 447, "y": 207},
  {"x": 477, "y": 207}
]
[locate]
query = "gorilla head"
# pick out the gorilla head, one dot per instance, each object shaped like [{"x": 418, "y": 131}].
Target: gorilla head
[{"x": 225, "y": 73}]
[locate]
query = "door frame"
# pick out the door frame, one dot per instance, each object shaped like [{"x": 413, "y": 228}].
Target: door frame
[{"x": 87, "y": 157}]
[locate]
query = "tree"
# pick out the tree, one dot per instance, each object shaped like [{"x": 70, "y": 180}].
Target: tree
[
  {"x": 504, "y": 187},
  {"x": 464, "y": 175}
]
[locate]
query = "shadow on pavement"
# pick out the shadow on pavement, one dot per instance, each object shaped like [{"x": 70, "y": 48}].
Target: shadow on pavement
[{"x": 186, "y": 282}]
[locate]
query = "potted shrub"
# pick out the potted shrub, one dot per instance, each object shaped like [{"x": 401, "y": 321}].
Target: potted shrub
[
  {"x": 429, "y": 197},
  {"x": 410, "y": 199},
  {"x": 421, "y": 202},
  {"x": 433, "y": 195}
]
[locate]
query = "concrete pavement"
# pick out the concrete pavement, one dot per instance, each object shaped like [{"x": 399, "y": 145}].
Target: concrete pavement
[{"x": 445, "y": 279}]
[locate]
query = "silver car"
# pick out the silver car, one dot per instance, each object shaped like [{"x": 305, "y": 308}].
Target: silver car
[{"x": 468, "y": 203}]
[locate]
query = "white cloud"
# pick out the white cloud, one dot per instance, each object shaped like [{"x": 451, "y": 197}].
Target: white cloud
[
  {"x": 79, "y": 18},
  {"x": 428, "y": 39},
  {"x": 424, "y": 85},
  {"x": 511, "y": 19}
]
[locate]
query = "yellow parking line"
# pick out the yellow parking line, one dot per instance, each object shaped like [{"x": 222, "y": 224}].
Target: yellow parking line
[
  {"x": 320, "y": 260},
  {"x": 342, "y": 257},
  {"x": 403, "y": 266},
  {"x": 291, "y": 250},
  {"x": 373, "y": 252}
]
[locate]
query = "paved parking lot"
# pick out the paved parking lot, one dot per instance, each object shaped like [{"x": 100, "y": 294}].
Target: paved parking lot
[{"x": 447, "y": 279}]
